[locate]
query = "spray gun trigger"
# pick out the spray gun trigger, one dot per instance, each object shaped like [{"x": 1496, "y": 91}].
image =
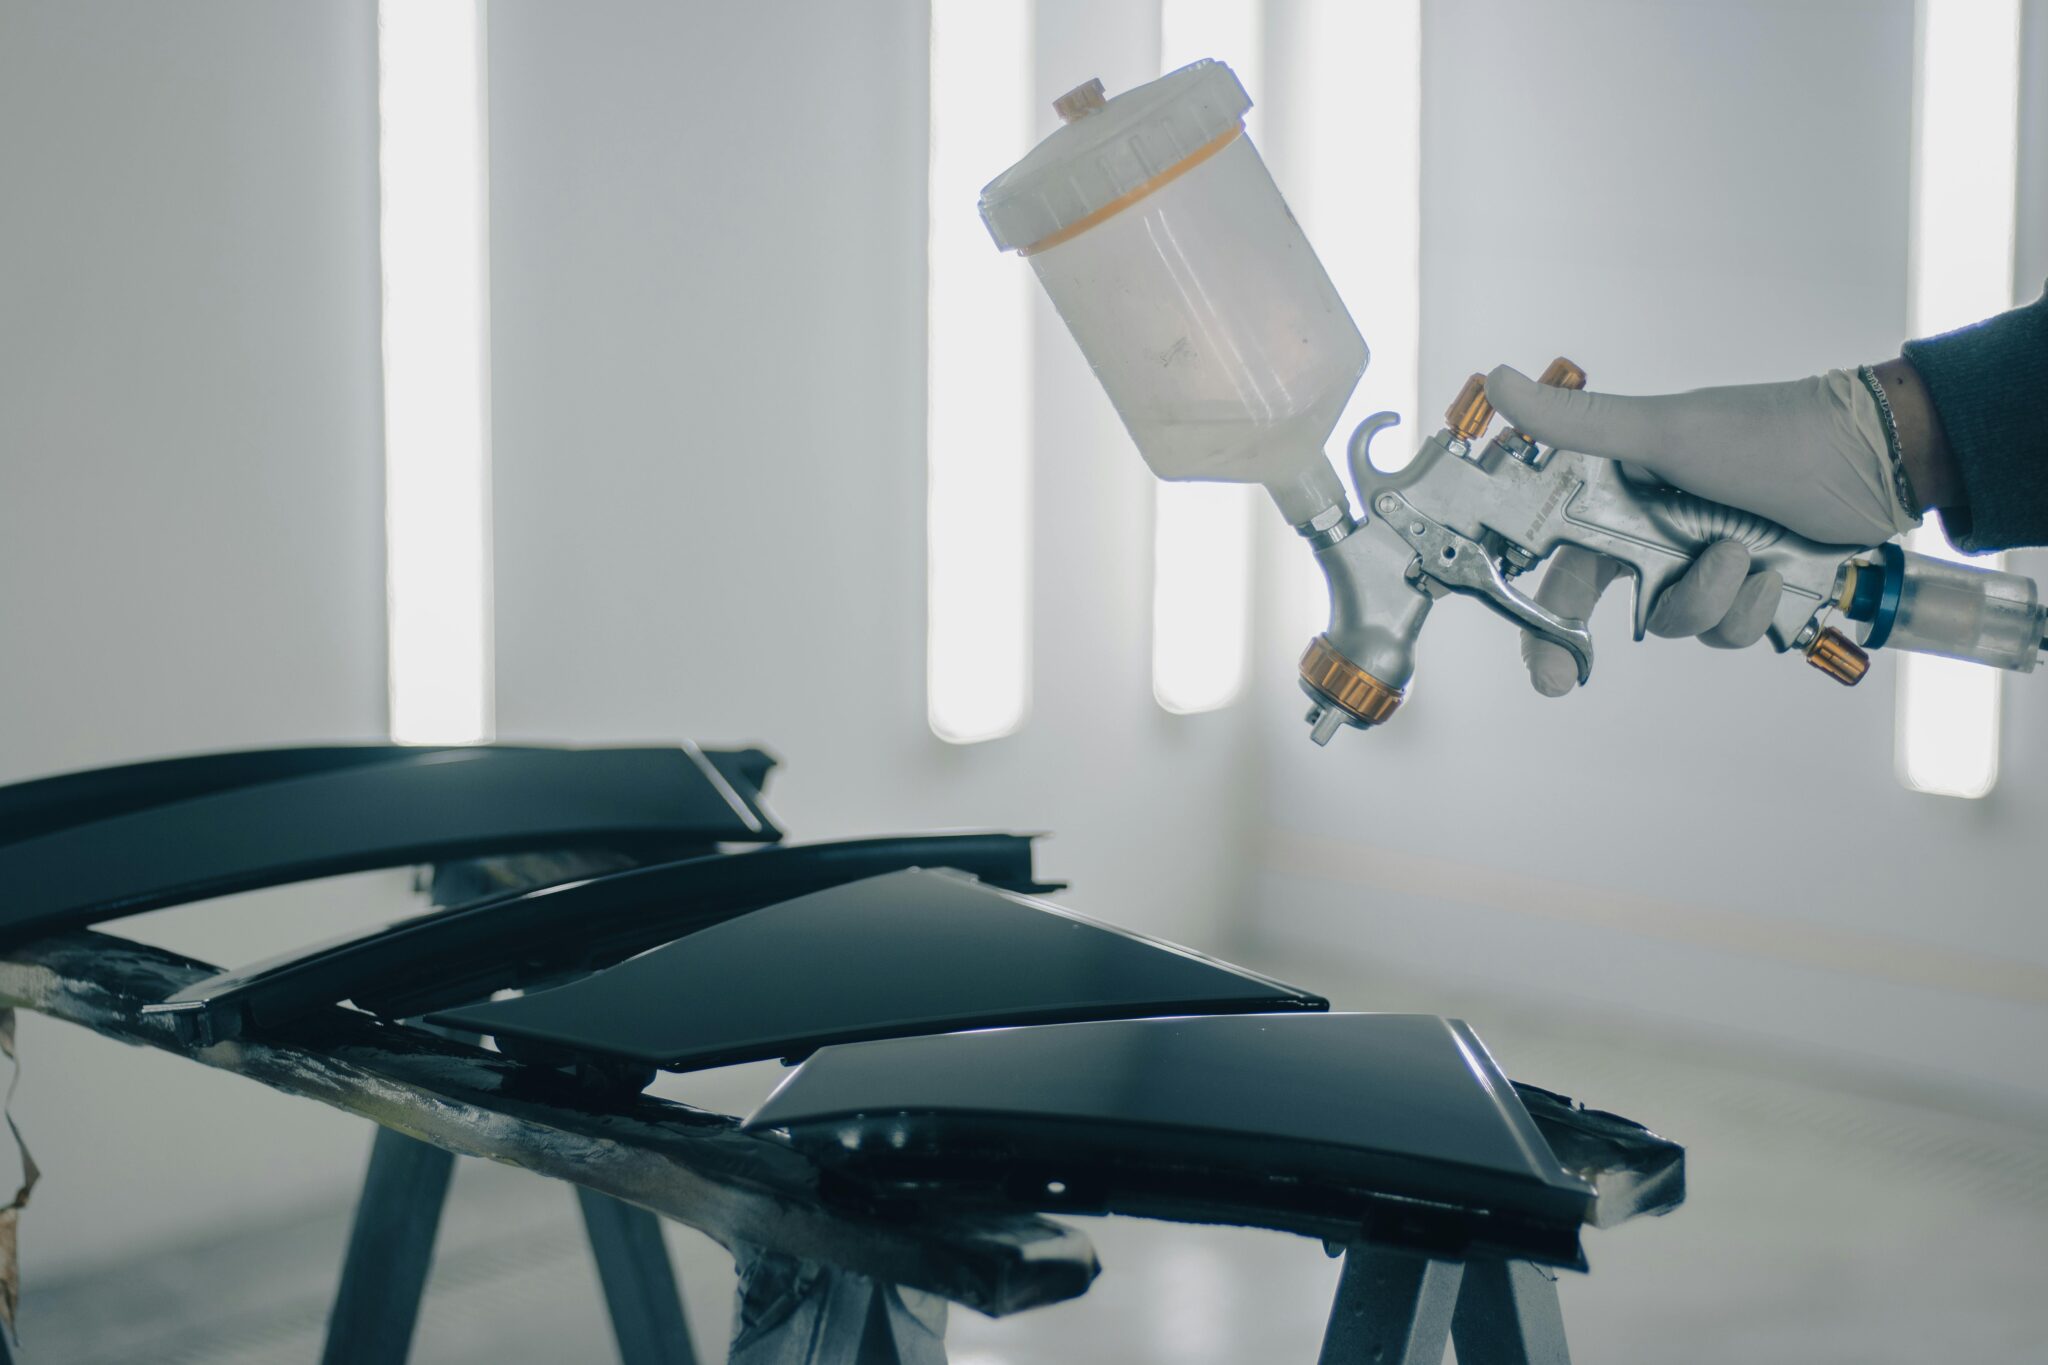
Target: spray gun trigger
[
  {"x": 1573, "y": 638},
  {"x": 1448, "y": 560}
]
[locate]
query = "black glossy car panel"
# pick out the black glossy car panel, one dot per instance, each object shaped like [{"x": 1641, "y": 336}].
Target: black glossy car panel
[
  {"x": 1311, "y": 1123},
  {"x": 911, "y": 952},
  {"x": 50, "y": 803},
  {"x": 449, "y": 956},
  {"x": 87, "y": 847}
]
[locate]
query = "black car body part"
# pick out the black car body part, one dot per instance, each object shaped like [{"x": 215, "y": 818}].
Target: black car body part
[
  {"x": 86, "y": 847},
  {"x": 1398, "y": 1125},
  {"x": 451, "y": 956},
  {"x": 908, "y": 953}
]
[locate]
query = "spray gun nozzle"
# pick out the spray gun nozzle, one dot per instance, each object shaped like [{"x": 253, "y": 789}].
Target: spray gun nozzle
[{"x": 1324, "y": 722}]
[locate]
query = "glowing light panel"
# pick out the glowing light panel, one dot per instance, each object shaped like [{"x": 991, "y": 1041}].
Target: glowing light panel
[
  {"x": 1965, "y": 179},
  {"x": 978, "y": 420},
  {"x": 1354, "y": 178},
  {"x": 1202, "y": 532},
  {"x": 1360, "y": 193},
  {"x": 431, "y": 161},
  {"x": 1948, "y": 713}
]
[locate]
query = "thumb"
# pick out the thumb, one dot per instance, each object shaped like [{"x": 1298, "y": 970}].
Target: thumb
[{"x": 1602, "y": 424}]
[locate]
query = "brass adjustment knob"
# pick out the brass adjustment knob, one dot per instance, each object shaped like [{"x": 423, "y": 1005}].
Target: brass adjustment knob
[
  {"x": 1469, "y": 414},
  {"x": 1350, "y": 688},
  {"x": 1558, "y": 374},
  {"x": 1080, "y": 102},
  {"x": 1562, "y": 374},
  {"x": 1836, "y": 655}
]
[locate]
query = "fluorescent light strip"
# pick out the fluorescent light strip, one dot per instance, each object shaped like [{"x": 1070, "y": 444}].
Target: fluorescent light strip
[
  {"x": 430, "y": 60},
  {"x": 1965, "y": 185},
  {"x": 1355, "y": 181},
  {"x": 1948, "y": 714},
  {"x": 978, "y": 381},
  {"x": 1202, "y": 532},
  {"x": 1360, "y": 71},
  {"x": 1201, "y": 594}
]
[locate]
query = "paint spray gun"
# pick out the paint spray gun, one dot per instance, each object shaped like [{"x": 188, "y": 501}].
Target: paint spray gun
[{"x": 1163, "y": 242}]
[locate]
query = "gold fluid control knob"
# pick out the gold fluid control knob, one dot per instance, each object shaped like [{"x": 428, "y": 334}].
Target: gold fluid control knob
[
  {"x": 1834, "y": 654},
  {"x": 1562, "y": 374},
  {"x": 1353, "y": 691},
  {"x": 1080, "y": 102},
  {"x": 1558, "y": 374},
  {"x": 1469, "y": 414}
]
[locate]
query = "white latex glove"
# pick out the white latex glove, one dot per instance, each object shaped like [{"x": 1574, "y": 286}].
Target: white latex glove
[{"x": 1809, "y": 454}]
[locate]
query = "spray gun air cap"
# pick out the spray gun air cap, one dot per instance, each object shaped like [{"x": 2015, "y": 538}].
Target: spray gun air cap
[{"x": 1166, "y": 248}]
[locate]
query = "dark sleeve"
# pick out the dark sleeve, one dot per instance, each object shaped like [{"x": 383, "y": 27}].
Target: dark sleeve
[{"x": 1988, "y": 382}]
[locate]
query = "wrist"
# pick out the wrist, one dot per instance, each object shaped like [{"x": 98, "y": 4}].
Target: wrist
[{"x": 1924, "y": 452}]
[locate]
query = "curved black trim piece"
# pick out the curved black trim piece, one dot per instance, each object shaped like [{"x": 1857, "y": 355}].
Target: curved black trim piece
[
  {"x": 86, "y": 847},
  {"x": 52, "y": 803},
  {"x": 1320, "y": 1124},
  {"x": 910, "y": 952},
  {"x": 446, "y": 957}
]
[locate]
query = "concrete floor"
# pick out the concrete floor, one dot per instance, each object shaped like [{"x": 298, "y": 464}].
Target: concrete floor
[{"x": 1834, "y": 1216}]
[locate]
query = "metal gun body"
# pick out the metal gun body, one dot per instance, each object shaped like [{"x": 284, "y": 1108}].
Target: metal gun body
[
  {"x": 1467, "y": 518},
  {"x": 1498, "y": 508}
]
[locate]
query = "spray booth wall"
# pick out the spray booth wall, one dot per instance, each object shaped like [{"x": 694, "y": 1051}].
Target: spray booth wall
[{"x": 191, "y": 529}]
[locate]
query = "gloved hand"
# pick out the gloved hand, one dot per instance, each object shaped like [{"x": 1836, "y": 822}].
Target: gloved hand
[{"x": 1810, "y": 455}]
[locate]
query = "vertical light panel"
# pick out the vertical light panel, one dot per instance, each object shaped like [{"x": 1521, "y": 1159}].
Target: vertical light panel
[
  {"x": 1352, "y": 69},
  {"x": 431, "y": 161},
  {"x": 1201, "y": 593},
  {"x": 1202, "y": 532},
  {"x": 978, "y": 429},
  {"x": 1948, "y": 713},
  {"x": 1965, "y": 176},
  {"x": 1356, "y": 68}
]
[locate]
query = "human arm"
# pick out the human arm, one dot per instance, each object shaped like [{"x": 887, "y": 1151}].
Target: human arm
[
  {"x": 1814, "y": 455},
  {"x": 1985, "y": 384}
]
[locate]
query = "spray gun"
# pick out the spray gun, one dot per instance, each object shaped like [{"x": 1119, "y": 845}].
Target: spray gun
[{"x": 1164, "y": 244}]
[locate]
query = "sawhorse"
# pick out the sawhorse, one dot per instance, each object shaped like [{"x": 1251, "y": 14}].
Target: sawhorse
[
  {"x": 391, "y": 1249},
  {"x": 1401, "y": 1308}
]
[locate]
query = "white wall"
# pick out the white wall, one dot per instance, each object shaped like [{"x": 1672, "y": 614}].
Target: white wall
[
  {"x": 2030, "y": 264},
  {"x": 190, "y": 517},
  {"x": 1674, "y": 195},
  {"x": 708, "y": 335}
]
